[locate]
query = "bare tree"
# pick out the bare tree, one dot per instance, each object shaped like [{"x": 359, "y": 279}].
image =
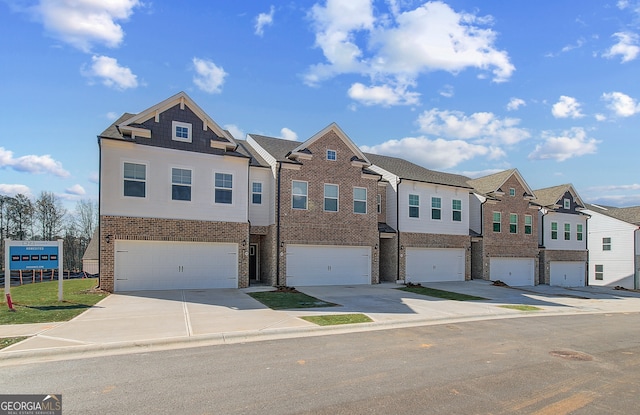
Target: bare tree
[
  {"x": 19, "y": 217},
  {"x": 49, "y": 214},
  {"x": 86, "y": 217}
]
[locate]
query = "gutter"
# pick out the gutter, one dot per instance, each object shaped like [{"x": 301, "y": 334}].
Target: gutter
[
  {"x": 278, "y": 224},
  {"x": 398, "y": 226}
]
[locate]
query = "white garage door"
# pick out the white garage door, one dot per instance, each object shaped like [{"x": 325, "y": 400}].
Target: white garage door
[
  {"x": 567, "y": 273},
  {"x": 433, "y": 265},
  {"x": 512, "y": 271},
  {"x": 328, "y": 265},
  {"x": 159, "y": 265}
]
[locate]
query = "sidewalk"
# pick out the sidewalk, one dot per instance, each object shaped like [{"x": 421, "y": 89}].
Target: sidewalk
[{"x": 156, "y": 320}]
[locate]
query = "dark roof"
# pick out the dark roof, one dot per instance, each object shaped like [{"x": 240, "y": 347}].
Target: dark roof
[
  {"x": 112, "y": 131},
  {"x": 384, "y": 228},
  {"x": 410, "y": 171},
  {"x": 627, "y": 214},
  {"x": 277, "y": 147},
  {"x": 254, "y": 158}
]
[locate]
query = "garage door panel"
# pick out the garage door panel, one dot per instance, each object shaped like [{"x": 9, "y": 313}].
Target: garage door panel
[
  {"x": 513, "y": 271},
  {"x": 567, "y": 273},
  {"x": 328, "y": 265},
  {"x": 434, "y": 265},
  {"x": 160, "y": 265}
]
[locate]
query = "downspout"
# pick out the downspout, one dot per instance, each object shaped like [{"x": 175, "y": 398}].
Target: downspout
[
  {"x": 586, "y": 238},
  {"x": 636, "y": 278},
  {"x": 398, "y": 228},
  {"x": 99, "y": 215},
  {"x": 278, "y": 224}
]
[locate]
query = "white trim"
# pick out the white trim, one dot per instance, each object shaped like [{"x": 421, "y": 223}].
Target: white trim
[
  {"x": 175, "y": 125},
  {"x": 306, "y": 205},
  {"x": 224, "y": 188},
  {"x": 366, "y": 201},
  {"x": 146, "y": 177},
  {"x": 324, "y": 197}
]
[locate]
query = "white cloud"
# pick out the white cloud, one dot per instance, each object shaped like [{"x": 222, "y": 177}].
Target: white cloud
[
  {"x": 288, "y": 134},
  {"x": 209, "y": 77},
  {"x": 433, "y": 154},
  {"x": 264, "y": 19},
  {"x": 479, "y": 126},
  {"x": 235, "y": 131},
  {"x": 392, "y": 50},
  {"x": 14, "y": 189},
  {"x": 621, "y": 104},
  {"x": 571, "y": 143},
  {"x": 627, "y": 47},
  {"x": 83, "y": 23},
  {"x": 32, "y": 164},
  {"x": 111, "y": 73},
  {"x": 112, "y": 116},
  {"x": 515, "y": 103},
  {"x": 567, "y": 107},
  {"x": 384, "y": 95},
  {"x": 447, "y": 91},
  {"x": 600, "y": 117},
  {"x": 76, "y": 190}
]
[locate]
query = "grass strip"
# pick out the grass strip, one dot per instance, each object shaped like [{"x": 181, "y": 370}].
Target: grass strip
[
  {"x": 8, "y": 341},
  {"x": 521, "y": 307},
  {"x": 336, "y": 319},
  {"x": 38, "y": 302},
  {"x": 280, "y": 300},
  {"x": 447, "y": 295}
]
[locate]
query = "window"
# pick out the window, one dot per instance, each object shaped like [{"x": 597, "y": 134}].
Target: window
[
  {"x": 606, "y": 244},
  {"x": 513, "y": 223},
  {"x": 456, "y": 206},
  {"x": 599, "y": 272},
  {"x": 497, "y": 219},
  {"x": 379, "y": 203},
  {"x": 359, "y": 200},
  {"x": 579, "y": 232},
  {"x": 331, "y": 197},
  {"x": 180, "y": 184},
  {"x": 436, "y": 208},
  {"x": 554, "y": 230},
  {"x": 331, "y": 155},
  {"x": 224, "y": 188},
  {"x": 256, "y": 193},
  {"x": 181, "y": 131},
  {"x": 567, "y": 231},
  {"x": 567, "y": 204},
  {"x": 135, "y": 179},
  {"x": 414, "y": 206},
  {"x": 512, "y": 191},
  {"x": 299, "y": 195},
  {"x": 528, "y": 224}
]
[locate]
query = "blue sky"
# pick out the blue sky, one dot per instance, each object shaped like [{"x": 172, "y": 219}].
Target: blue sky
[{"x": 470, "y": 87}]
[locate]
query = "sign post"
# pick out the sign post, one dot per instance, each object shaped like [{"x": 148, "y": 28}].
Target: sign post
[{"x": 32, "y": 255}]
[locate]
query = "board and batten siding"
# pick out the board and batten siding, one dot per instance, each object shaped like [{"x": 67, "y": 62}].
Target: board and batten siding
[{"x": 158, "y": 202}]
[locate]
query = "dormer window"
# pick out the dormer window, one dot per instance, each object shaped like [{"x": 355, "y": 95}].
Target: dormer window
[
  {"x": 181, "y": 131},
  {"x": 512, "y": 191},
  {"x": 331, "y": 155},
  {"x": 567, "y": 204}
]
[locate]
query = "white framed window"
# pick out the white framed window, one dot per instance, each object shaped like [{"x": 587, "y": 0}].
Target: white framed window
[
  {"x": 135, "y": 180},
  {"x": 181, "y": 131},
  {"x": 456, "y": 207},
  {"x": 379, "y": 203},
  {"x": 299, "y": 194},
  {"x": 599, "y": 272},
  {"x": 414, "y": 206},
  {"x": 567, "y": 204},
  {"x": 606, "y": 244},
  {"x": 512, "y": 191},
  {"x": 528, "y": 224},
  {"x": 332, "y": 155},
  {"x": 579, "y": 232},
  {"x": 497, "y": 222},
  {"x": 554, "y": 230},
  {"x": 180, "y": 184},
  {"x": 436, "y": 208},
  {"x": 331, "y": 192},
  {"x": 513, "y": 223},
  {"x": 359, "y": 200},
  {"x": 256, "y": 193},
  {"x": 223, "y": 188},
  {"x": 567, "y": 231}
]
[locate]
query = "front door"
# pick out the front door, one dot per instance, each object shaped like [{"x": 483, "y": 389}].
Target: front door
[{"x": 253, "y": 262}]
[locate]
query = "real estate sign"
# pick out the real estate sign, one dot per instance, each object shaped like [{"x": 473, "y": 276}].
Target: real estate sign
[{"x": 32, "y": 255}]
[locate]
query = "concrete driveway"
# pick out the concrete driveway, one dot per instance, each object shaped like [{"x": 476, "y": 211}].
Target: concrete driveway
[{"x": 197, "y": 317}]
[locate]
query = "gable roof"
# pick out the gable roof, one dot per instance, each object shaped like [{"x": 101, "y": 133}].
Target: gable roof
[
  {"x": 550, "y": 196},
  {"x": 492, "y": 184},
  {"x": 341, "y": 134},
  {"x": 255, "y": 159},
  {"x": 279, "y": 148},
  {"x": 410, "y": 171},
  {"x": 92, "y": 249},
  {"x": 629, "y": 214},
  {"x": 132, "y": 123}
]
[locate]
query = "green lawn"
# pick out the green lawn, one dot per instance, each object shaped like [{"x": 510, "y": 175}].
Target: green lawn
[
  {"x": 280, "y": 300},
  {"x": 521, "y": 307},
  {"x": 38, "y": 303},
  {"x": 8, "y": 341},
  {"x": 335, "y": 319},
  {"x": 447, "y": 295}
]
